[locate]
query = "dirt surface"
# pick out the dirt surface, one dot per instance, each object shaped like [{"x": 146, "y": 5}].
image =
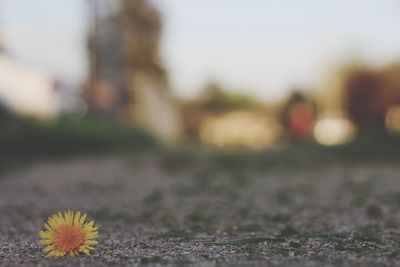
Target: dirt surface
[{"x": 201, "y": 211}]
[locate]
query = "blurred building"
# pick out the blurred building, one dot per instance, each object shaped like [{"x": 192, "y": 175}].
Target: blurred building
[
  {"x": 128, "y": 81},
  {"x": 230, "y": 120},
  {"x": 240, "y": 129},
  {"x": 28, "y": 90},
  {"x": 32, "y": 91}
]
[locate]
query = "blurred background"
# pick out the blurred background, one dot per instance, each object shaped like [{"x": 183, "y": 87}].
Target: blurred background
[
  {"x": 81, "y": 76},
  {"x": 200, "y": 131}
]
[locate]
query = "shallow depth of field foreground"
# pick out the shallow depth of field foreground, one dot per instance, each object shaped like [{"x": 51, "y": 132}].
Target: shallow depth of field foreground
[{"x": 181, "y": 208}]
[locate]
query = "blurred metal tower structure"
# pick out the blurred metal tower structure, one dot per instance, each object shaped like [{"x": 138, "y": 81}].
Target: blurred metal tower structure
[
  {"x": 106, "y": 66},
  {"x": 128, "y": 80},
  {"x": 93, "y": 36}
]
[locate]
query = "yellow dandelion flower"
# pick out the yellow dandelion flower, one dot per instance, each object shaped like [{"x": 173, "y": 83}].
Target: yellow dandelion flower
[{"x": 68, "y": 234}]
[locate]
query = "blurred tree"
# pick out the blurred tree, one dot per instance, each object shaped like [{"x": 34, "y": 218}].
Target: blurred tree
[
  {"x": 369, "y": 93},
  {"x": 141, "y": 25},
  {"x": 330, "y": 99},
  {"x": 391, "y": 75},
  {"x": 215, "y": 98}
]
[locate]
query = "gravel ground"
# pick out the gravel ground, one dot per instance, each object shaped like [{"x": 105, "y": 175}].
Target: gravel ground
[{"x": 177, "y": 210}]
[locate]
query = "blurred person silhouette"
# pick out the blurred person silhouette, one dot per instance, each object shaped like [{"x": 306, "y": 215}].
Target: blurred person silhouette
[{"x": 298, "y": 116}]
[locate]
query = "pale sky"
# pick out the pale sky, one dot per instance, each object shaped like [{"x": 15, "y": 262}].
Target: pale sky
[
  {"x": 265, "y": 47},
  {"x": 47, "y": 33}
]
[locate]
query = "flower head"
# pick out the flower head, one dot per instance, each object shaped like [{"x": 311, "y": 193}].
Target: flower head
[{"x": 68, "y": 234}]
